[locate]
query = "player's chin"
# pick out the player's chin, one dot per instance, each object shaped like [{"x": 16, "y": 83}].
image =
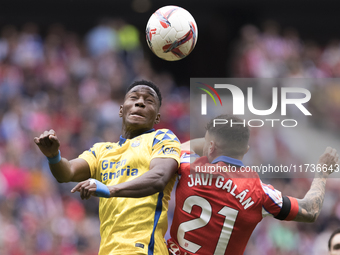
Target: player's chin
[{"x": 138, "y": 124}]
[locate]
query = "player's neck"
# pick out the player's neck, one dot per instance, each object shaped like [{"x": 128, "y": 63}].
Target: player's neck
[
  {"x": 129, "y": 133},
  {"x": 230, "y": 156}
]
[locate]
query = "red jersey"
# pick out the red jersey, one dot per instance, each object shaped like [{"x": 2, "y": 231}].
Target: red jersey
[{"x": 216, "y": 211}]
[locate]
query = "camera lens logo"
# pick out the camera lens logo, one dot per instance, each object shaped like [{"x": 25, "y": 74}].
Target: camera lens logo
[{"x": 204, "y": 97}]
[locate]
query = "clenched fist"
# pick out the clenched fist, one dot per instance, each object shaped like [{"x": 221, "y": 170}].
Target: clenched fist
[{"x": 48, "y": 143}]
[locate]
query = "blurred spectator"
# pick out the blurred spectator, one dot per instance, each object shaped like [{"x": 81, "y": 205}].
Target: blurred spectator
[{"x": 102, "y": 39}]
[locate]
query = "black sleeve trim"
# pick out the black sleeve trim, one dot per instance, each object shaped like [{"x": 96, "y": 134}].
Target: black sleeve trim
[{"x": 285, "y": 210}]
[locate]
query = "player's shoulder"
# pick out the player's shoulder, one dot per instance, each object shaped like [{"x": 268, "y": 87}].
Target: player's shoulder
[
  {"x": 164, "y": 134},
  {"x": 100, "y": 146},
  {"x": 268, "y": 188},
  {"x": 164, "y": 131},
  {"x": 257, "y": 188},
  {"x": 188, "y": 156},
  {"x": 186, "y": 159}
]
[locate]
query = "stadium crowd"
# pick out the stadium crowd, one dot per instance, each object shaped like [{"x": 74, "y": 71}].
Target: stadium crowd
[
  {"x": 272, "y": 53},
  {"x": 75, "y": 85}
]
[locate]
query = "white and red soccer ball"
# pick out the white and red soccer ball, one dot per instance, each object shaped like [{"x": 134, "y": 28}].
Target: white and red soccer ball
[{"x": 171, "y": 33}]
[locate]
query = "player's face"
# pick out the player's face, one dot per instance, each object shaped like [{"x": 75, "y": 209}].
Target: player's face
[
  {"x": 335, "y": 245},
  {"x": 140, "y": 108}
]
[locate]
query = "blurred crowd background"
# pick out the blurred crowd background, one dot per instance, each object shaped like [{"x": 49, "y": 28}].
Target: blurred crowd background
[{"x": 75, "y": 82}]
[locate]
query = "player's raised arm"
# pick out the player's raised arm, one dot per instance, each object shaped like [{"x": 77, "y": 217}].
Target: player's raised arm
[
  {"x": 153, "y": 181},
  {"x": 310, "y": 205},
  {"x": 63, "y": 170}
]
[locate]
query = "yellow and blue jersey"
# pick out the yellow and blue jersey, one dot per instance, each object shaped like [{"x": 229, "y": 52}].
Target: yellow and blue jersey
[{"x": 132, "y": 225}]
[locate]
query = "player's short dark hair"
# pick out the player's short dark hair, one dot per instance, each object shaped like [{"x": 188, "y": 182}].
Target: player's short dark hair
[
  {"x": 337, "y": 231},
  {"x": 236, "y": 136},
  {"x": 149, "y": 84}
]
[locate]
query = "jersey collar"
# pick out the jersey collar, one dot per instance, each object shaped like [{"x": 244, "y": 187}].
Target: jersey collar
[
  {"x": 228, "y": 160},
  {"x": 122, "y": 139}
]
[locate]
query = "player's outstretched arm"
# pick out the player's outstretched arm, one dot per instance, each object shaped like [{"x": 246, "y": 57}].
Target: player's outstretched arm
[
  {"x": 153, "y": 181},
  {"x": 310, "y": 205},
  {"x": 63, "y": 170}
]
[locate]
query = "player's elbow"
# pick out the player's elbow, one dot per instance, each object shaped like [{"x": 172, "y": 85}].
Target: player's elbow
[
  {"x": 313, "y": 216},
  {"x": 62, "y": 180},
  {"x": 309, "y": 210},
  {"x": 309, "y": 219},
  {"x": 159, "y": 183}
]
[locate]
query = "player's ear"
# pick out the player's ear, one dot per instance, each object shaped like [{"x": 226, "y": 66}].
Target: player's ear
[
  {"x": 158, "y": 118},
  {"x": 248, "y": 147},
  {"x": 212, "y": 147},
  {"x": 121, "y": 111}
]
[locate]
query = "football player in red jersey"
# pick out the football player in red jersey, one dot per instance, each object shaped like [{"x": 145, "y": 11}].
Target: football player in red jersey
[{"x": 219, "y": 201}]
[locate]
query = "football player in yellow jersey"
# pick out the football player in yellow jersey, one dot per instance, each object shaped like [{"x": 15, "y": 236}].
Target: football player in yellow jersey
[{"x": 141, "y": 165}]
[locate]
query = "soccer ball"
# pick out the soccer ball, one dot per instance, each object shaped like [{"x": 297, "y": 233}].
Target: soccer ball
[{"x": 171, "y": 33}]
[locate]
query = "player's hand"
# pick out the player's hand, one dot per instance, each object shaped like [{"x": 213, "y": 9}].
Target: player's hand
[
  {"x": 330, "y": 158},
  {"x": 86, "y": 189},
  {"x": 48, "y": 143}
]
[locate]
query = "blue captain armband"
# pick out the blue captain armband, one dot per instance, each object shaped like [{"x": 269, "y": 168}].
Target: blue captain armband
[{"x": 102, "y": 190}]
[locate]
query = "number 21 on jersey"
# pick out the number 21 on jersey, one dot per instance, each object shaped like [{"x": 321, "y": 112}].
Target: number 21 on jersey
[{"x": 229, "y": 214}]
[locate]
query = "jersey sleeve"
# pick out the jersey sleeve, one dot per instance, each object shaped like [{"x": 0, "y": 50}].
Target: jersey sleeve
[
  {"x": 166, "y": 145},
  {"x": 91, "y": 157},
  {"x": 281, "y": 207},
  {"x": 186, "y": 159}
]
